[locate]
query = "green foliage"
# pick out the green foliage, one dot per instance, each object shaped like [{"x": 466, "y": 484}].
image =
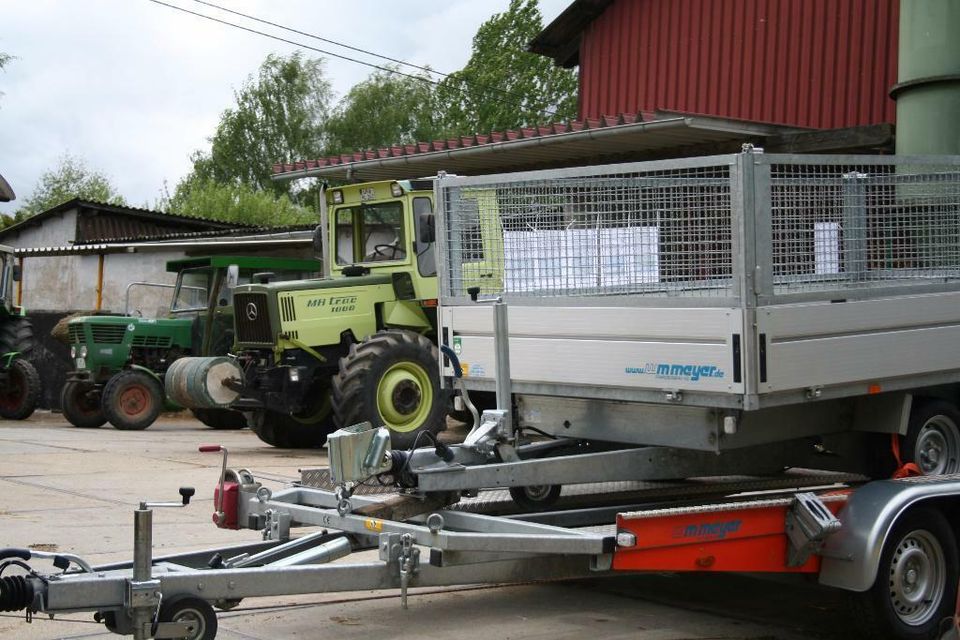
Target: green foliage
[
  {"x": 279, "y": 116},
  {"x": 503, "y": 86},
  {"x": 233, "y": 203},
  {"x": 70, "y": 179},
  {"x": 384, "y": 110},
  {"x": 5, "y": 59}
]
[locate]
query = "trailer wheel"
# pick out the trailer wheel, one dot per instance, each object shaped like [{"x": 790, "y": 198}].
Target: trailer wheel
[
  {"x": 535, "y": 498},
  {"x": 18, "y": 398},
  {"x": 196, "y": 613},
  {"x": 392, "y": 380},
  {"x": 132, "y": 400},
  {"x": 916, "y": 583},
  {"x": 220, "y": 418},
  {"x": 933, "y": 438},
  {"x": 81, "y": 405}
]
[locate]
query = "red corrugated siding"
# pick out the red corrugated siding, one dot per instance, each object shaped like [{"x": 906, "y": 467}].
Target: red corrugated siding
[{"x": 813, "y": 63}]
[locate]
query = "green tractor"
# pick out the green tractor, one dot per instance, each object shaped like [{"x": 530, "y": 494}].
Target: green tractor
[
  {"x": 359, "y": 345},
  {"x": 19, "y": 381},
  {"x": 120, "y": 360}
]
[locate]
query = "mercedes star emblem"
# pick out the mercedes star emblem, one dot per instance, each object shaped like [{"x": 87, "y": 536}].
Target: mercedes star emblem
[{"x": 252, "y": 311}]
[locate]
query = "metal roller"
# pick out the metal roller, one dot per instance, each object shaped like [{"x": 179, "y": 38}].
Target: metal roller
[{"x": 199, "y": 383}]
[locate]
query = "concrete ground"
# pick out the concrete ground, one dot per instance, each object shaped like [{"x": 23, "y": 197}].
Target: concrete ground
[{"x": 74, "y": 490}]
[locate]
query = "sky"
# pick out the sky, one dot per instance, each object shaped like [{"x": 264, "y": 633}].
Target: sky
[{"x": 133, "y": 87}]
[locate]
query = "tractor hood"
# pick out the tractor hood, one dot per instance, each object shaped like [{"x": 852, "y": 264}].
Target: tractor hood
[
  {"x": 129, "y": 329},
  {"x": 315, "y": 284}
]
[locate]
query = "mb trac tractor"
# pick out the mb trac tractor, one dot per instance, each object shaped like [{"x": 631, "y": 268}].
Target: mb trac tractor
[
  {"x": 120, "y": 359},
  {"x": 19, "y": 381},
  {"x": 359, "y": 345}
]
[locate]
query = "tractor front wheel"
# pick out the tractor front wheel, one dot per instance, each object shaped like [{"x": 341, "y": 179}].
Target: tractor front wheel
[
  {"x": 132, "y": 400},
  {"x": 392, "y": 380},
  {"x": 80, "y": 403},
  {"x": 307, "y": 429},
  {"x": 20, "y": 393},
  {"x": 220, "y": 418}
]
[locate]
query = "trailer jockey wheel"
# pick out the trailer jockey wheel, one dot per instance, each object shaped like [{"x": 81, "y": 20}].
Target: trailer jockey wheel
[
  {"x": 535, "y": 497},
  {"x": 196, "y": 613},
  {"x": 916, "y": 584}
]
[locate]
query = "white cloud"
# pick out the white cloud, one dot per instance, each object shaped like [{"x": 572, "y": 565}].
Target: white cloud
[{"x": 134, "y": 87}]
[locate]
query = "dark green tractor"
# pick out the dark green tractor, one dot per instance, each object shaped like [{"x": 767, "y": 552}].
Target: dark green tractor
[
  {"x": 19, "y": 382},
  {"x": 119, "y": 360}
]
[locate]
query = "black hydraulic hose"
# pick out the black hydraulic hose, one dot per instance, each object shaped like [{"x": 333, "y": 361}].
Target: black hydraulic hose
[{"x": 13, "y": 552}]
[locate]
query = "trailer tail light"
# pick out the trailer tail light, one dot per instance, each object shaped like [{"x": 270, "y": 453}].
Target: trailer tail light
[{"x": 231, "y": 493}]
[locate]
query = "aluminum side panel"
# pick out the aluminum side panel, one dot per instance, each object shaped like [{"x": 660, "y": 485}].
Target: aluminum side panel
[
  {"x": 868, "y": 341},
  {"x": 629, "y": 348}
]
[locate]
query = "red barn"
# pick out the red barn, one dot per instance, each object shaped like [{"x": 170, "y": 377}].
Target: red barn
[{"x": 810, "y": 63}]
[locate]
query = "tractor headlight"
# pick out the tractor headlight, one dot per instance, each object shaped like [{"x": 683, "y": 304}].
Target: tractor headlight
[
  {"x": 73, "y": 351},
  {"x": 83, "y": 351},
  {"x": 396, "y": 190},
  {"x": 294, "y": 374}
]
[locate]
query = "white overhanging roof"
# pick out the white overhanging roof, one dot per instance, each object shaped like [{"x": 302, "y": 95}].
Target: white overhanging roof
[{"x": 664, "y": 136}]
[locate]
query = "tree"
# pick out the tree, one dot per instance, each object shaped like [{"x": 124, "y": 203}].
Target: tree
[
  {"x": 5, "y": 59},
  {"x": 279, "y": 116},
  {"x": 233, "y": 203},
  {"x": 70, "y": 179},
  {"x": 383, "y": 110},
  {"x": 503, "y": 86}
]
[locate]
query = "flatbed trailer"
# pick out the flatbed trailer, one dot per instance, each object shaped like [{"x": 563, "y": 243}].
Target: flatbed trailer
[{"x": 891, "y": 544}]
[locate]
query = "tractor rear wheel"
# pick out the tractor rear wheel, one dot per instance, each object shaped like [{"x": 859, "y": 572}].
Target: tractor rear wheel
[
  {"x": 392, "y": 380},
  {"x": 220, "y": 418},
  {"x": 16, "y": 335},
  {"x": 20, "y": 393},
  {"x": 132, "y": 400},
  {"x": 80, "y": 404}
]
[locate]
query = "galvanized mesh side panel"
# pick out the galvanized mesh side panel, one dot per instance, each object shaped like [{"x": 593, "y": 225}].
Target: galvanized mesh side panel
[
  {"x": 864, "y": 225},
  {"x": 665, "y": 232}
]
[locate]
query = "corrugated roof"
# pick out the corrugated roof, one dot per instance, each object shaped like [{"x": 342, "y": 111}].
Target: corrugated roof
[
  {"x": 126, "y": 221},
  {"x": 607, "y": 139},
  {"x": 6, "y": 191},
  {"x": 295, "y": 238}
]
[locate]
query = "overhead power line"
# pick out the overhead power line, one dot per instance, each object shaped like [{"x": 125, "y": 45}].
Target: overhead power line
[
  {"x": 385, "y": 69},
  {"x": 321, "y": 38}
]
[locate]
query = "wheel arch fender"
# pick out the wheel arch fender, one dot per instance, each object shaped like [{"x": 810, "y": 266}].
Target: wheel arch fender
[
  {"x": 851, "y": 557},
  {"x": 149, "y": 372}
]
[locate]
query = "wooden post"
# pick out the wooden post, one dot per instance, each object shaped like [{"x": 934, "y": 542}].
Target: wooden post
[{"x": 99, "y": 282}]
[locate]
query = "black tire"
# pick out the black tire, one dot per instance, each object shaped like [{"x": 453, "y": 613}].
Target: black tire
[
  {"x": 224, "y": 419},
  {"x": 411, "y": 362},
  {"x": 538, "y": 498},
  {"x": 923, "y": 543},
  {"x": 16, "y": 334},
  {"x": 932, "y": 441},
  {"x": 80, "y": 404},
  {"x": 306, "y": 430},
  {"x": 20, "y": 394},
  {"x": 192, "y": 611},
  {"x": 132, "y": 400}
]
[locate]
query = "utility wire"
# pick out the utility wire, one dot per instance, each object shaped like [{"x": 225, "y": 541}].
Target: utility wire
[
  {"x": 320, "y": 38},
  {"x": 330, "y": 53}
]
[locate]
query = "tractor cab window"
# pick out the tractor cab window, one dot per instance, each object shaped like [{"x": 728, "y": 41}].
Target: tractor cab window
[
  {"x": 191, "y": 292},
  {"x": 370, "y": 233}
]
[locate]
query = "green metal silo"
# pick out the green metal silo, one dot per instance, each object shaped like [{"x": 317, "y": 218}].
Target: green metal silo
[{"x": 928, "y": 88}]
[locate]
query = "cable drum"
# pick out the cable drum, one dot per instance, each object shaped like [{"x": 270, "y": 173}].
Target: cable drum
[{"x": 198, "y": 383}]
